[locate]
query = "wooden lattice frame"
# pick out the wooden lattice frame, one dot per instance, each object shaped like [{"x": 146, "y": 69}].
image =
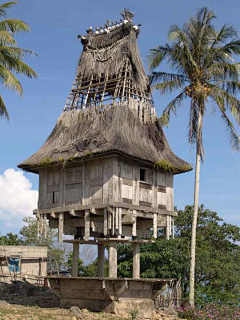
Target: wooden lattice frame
[{"x": 105, "y": 91}]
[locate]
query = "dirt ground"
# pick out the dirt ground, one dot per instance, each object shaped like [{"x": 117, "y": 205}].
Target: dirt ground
[{"x": 22, "y": 301}]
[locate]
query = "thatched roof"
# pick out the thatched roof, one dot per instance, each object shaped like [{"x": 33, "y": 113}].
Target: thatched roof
[
  {"x": 77, "y": 137},
  {"x": 104, "y": 54},
  {"x": 85, "y": 133}
]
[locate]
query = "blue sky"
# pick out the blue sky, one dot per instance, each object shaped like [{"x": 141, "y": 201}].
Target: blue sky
[{"x": 54, "y": 29}]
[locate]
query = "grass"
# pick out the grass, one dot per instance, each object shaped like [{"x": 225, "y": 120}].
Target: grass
[{"x": 17, "y": 312}]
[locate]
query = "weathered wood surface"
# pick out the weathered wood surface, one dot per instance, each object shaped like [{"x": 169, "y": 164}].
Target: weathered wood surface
[{"x": 110, "y": 189}]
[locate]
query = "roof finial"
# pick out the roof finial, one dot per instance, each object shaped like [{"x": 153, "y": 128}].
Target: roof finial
[{"x": 127, "y": 15}]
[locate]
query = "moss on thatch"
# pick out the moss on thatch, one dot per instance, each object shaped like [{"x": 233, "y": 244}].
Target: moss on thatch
[
  {"x": 167, "y": 166},
  {"x": 78, "y": 136}
]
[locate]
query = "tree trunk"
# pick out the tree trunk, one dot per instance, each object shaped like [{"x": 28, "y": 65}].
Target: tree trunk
[{"x": 195, "y": 213}]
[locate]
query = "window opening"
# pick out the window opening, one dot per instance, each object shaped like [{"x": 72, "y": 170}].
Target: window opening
[{"x": 142, "y": 175}]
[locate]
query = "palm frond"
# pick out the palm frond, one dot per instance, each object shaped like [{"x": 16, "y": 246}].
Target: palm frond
[
  {"x": 6, "y": 38},
  {"x": 224, "y": 70},
  {"x": 205, "y": 16},
  {"x": 157, "y": 55},
  {"x": 17, "y": 52},
  {"x": 6, "y": 5},
  {"x": 225, "y": 33},
  {"x": 193, "y": 119},
  {"x": 17, "y": 65},
  {"x": 167, "y": 86},
  {"x": 230, "y": 101},
  {"x": 3, "y": 109},
  {"x": 14, "y": 25},
  {"x": 233, "y": 47},
  {"x": 166, "y": 76},
  {"x": 9, "y": 80},
  {"x": 172, "y": 107},
  {"x": 233, "y": 136}
]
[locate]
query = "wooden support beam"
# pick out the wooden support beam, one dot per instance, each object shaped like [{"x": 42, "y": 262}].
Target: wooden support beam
[
  {"x": 170, "y": 225},
  {"x": 136, "y": 260},
  {"x": 105, "y": 222},
  {"x": 109, "y": 220},
  {"x": 167, "y": 234},
  {"x": 45, "y": 226},
  {"x": 110, "y": 205},
  {"x": 93, "y": 210},
  {"x": 38, "y": 228},
  {"x": 155, "y": 225},
  {"x": 87, "y": 224},
  {"x": 113, "y": 221},
  {"x": 60, "y": 227},
  {"x": 101, "y": 261},
  {"x": 112, "y": 260},
  {"x": 173, "y": 229},
  {"x": 73, "y": 213},
  {"x": 41, "y": 224},
  {"x": 75, "y": 258},
  {"x": 53, "y": 215},
  {"x": 134, "y": 226},
  {"x": 120, "y": 221},
  {"x": 117, "y": 217}
]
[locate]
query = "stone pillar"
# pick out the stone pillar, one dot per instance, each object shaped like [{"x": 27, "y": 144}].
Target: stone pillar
[
  {"x": 136, "y": 260},
  {"x": 101, "y": 260},
  {"x": 75, "y": 258},
  {"x": 112, "y": 260}
]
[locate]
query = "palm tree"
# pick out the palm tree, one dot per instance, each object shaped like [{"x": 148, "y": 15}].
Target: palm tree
[
  {"x": 10, "y": 55},
  {"x": 203, "y": 70}
]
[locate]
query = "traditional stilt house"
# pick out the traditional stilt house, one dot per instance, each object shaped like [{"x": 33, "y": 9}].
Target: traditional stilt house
[{"x": 106, "y": 170}]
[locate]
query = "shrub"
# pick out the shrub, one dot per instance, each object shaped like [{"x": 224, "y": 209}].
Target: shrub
[{"x": 210, "y": 312}]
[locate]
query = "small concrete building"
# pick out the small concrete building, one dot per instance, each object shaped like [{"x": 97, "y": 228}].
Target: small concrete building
[{"x": 23, "y": 263}]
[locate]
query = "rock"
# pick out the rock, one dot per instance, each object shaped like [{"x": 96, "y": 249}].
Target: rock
[
  {"x": 169, "y": 311},
  {"x": 3, "y": 303},
  {"x": 78, "y": 313}
]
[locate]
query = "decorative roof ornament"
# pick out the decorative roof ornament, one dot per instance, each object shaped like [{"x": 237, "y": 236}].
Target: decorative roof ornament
[
  {"x": 90, "y": 30},
  {"x": 127, "y": 15}
]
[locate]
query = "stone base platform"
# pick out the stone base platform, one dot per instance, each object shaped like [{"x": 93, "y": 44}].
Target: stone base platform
[{"x": 116, "y": 295}]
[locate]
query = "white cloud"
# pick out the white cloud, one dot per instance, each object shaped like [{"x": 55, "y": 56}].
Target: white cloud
[{"x": 17, "y": 199}]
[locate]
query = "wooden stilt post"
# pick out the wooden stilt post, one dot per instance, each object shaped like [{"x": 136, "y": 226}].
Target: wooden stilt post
[
  {"x": 75, "y": 258},
  {"x": 120, "y": 221},
  {"x": 134, "y": 226},
  {"x": 155, "y": 225},
  {"x": 101, "y": 261},
  {"x": 112, "y": 260},
  {"x": 136, "y": 260},
  {"x": 87, "y": 224},
  {"x": 60, "y": 226},
  {"x": 105, "y": 222},
  {"x": 45, "y": 226}
]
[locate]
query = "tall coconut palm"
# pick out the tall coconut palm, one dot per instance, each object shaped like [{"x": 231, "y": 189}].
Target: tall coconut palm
[
  {"x": 204, "y": 71},
  {"x": 11, "y": 55}
]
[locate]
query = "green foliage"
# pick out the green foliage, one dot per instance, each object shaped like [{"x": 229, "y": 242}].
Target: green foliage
[
  {"x": 133, "y": 314},
  {"x": 210, "y": 311},
  {"x": 28, "y": 235},
  {"x": 83, "y": 271},
  {"x": 217, "y": 257},
  {"x": 10, "y": 240},
  {"x": 56, "y": 259},
  {"x": 166, "y": 166},
  {"x": 45, "y": 162},
  {"x": 11, "y": 56},
  {"x": 203, "y": 72}
]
